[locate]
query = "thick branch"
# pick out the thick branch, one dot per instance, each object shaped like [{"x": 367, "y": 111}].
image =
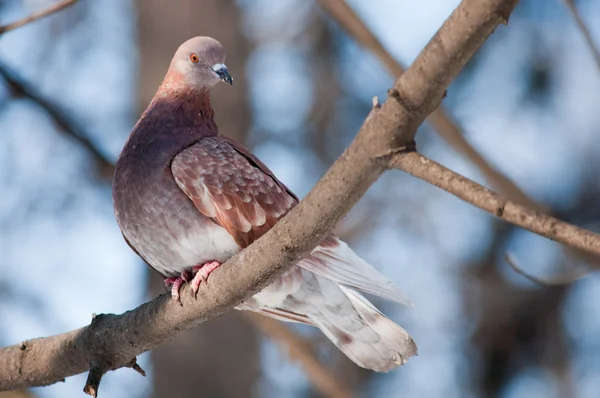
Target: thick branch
[
  {"x": 37, "y": 15},
  {"x": 111, "y": 341},
  {"x": 441, "y": 121},
  {"x": 479, "y": 196}
]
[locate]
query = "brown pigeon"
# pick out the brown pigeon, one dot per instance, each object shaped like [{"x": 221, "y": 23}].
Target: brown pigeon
[{"x": 188, "y": 198}]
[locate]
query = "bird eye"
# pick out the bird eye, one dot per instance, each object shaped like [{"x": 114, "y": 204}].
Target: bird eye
[{"x": 194, "y": 58}]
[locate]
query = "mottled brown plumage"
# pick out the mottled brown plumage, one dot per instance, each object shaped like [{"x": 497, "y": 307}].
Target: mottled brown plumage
[
  {"x": 187, "y": 198},
  {"x": 226, "y": 186}
]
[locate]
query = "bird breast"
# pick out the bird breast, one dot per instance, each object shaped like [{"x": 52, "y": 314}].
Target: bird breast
[{"x": 164, "y": 227}]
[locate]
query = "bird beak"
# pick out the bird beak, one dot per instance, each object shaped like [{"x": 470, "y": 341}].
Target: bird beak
[{"x": 223, "y": 73}]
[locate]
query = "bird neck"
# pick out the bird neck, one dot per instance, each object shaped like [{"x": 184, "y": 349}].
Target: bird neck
[
  {"x": 192, "y": 106},
  {"x": 175, "y": 119}
]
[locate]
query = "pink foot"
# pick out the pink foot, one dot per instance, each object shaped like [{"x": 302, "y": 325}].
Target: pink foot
[
  {"x": 202, "y": 273},
  {"x": 175, "y": 284}
]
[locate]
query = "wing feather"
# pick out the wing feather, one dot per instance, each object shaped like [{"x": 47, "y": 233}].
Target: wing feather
[
  {"x": 232, "y": 187},
  {"x": 228, "y": 184}
]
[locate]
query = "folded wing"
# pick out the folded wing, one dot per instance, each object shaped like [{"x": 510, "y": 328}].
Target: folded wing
[{"x": 232, "y": 187}]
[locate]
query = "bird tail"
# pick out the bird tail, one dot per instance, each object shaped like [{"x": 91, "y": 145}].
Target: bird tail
[
  {"x": 374, "y": 342},
  {"x": 323, "y": 290}
]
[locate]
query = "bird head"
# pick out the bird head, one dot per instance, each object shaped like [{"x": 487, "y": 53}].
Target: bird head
[{"x": 200, "y": 63}]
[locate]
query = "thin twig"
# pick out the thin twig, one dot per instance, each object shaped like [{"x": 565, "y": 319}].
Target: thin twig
[
  {"x": 63, "y": 120},
  {"x": 507, "y": 210},
  {"x": 563, "y": 280},
  {"x": 135, "y": 366},
  {"x": 300, "y": 350},
  {"x": 92, "y": 384},
  {"x": 589, "y": 41},
  {"x": 37, "y": 15},
  {"x": 341, "y": 12}
]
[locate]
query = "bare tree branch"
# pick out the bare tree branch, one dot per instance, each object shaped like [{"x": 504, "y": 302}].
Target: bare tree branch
[
  {"x": 564, "y": 280},
  {"x": 584, "y": 31},
  {"x": 61, "y": 5},
  {"x": 300, "y": 350},
  {"x": 481, "y": 197},
  {"x": 442, "y": 122},
  {"x": 63, "y": 120},
  {"x": 111, "y": 341},
  {"x": 439, "y": 118}
]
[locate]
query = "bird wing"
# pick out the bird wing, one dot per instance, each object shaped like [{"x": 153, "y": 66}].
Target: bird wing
[
  {"x": 274, "y": 312},
  {"x": 232, "y": 187},
  {"x": 236, "y": 190},
  {"x": 335, "y": 260}
]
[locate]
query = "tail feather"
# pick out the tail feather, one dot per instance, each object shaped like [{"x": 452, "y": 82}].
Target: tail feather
[
  {"x": 341, "y": 264},
  {"x": 323, "y": 290},
  {"x": 392, "y": 334},
  {"x": 375, "y": 342}
]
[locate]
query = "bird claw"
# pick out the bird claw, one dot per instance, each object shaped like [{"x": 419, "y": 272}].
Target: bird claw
[
  {"x": 175, "y": 284},
  {"x": 201, "y": 274},
  {"x": 186, "y": 276}
]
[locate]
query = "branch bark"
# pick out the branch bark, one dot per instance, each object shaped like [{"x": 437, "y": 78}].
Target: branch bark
[
  {"x": 481, "y": 197},
  {"x": 37, "y": 15},
  {"x": 440, "y": 119},
  {"x": 111, "y": 341}
]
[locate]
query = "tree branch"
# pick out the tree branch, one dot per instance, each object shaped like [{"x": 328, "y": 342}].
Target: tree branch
[
  {"x": 64, "y": 122},
  {"x": 481, "y": 197},
  {"x": 37, "y": 15},
  {"x": 439, "y": 118},
  {"x": 584, "y": 31},
  {"x": 441, "y": 121},
  {"x": 300, "y": 350},
  {"x": 557, "y": 281},
  {"x": 111, "y": 341}
]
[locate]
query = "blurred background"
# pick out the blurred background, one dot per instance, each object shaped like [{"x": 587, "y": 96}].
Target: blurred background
[{"x": 72, "y": 86}]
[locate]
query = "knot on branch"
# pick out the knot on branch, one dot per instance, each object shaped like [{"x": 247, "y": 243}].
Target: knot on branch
[
  {"x": 417, "y": 112},
  {"x": 395, "y": 152},
  {"x": 102, "y": 360},
  {"x": 408, "y": 106},
  {"x": 135, "y": 366},
  {"x": 409, "y": 147},
  {"x": 504, "y": 10},
  {"x": 93, "y": 381}
]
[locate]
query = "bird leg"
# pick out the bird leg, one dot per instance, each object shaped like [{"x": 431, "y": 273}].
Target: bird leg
[
  {"x": 175, "y": 283},
  {"x": 201, "y": 273}
]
